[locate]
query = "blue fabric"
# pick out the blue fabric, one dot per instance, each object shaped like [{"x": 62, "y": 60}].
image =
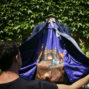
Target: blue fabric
[
  {"x": 75, "y": 62},
  {"x": 50, "y": 46},
  {"x": 30, "y": 46}
]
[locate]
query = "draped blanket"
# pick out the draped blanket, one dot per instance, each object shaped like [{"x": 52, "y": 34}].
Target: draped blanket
[{"x": 55, "y": 46}]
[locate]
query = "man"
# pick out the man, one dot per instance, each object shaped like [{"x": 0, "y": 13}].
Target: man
[{"x": 10, "y": 63}]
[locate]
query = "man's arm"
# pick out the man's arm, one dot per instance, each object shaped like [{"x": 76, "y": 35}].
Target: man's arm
[{"x": 78, "y": 84}]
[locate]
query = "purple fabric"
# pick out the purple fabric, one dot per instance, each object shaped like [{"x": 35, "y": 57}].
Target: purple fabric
[
  {"x": 74, "y": 69},
  {"x": 49, "y": 39},
  {"x": 29, "y": 74}
]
